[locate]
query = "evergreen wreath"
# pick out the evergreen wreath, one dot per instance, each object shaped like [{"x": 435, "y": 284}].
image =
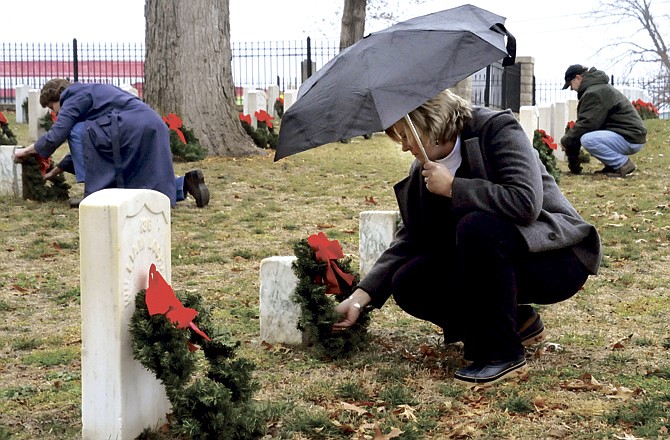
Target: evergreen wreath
[
  {"x": 211, "y": 398},
  {"x": 47, "y": 120},
  {"x": 185, "y": 147},
  {"x": 38, "y": 189},
  {"x": 7, "y": 137},
  {"x": 545, "y": 146},
  {"x": 318, "y": 307},
  {"x": 263, "y": 135}
]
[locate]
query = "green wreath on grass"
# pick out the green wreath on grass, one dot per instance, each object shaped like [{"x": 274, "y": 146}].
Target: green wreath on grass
[
  {"x": 210, "y": 397},
  {"x": 318, "y": 297}
]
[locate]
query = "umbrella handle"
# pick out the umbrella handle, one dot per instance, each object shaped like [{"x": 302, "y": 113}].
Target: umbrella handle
[{"x": 416, "y": 136}]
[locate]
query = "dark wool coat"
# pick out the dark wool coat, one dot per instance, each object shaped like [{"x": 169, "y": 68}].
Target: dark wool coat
[
  {"x": 602, "y": 107},
  {"x": 501, "y": 173},
  {"x": 126, "y": 143}
]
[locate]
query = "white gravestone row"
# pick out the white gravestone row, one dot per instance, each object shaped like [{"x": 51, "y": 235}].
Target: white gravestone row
[
  {"x": 552, "y": 118},
  {"x": 255, "y": 100},
  {"x": 279, "y": 314},
  {"x": 122, "y": 232}
]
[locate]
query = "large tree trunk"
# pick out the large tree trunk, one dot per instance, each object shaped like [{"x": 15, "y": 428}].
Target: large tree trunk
[
  {"x": 188, "y": 71},
  {"x": 353, "y": 22}
]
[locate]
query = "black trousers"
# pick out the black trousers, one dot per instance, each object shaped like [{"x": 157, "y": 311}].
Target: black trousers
[{"x": 472, "y": 286}]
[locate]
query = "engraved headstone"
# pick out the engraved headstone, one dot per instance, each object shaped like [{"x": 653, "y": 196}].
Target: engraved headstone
[
  {"x": 376, "y": 231},
  {"x": 279, "y": 314},
  {"x": 122, "y": 232}
]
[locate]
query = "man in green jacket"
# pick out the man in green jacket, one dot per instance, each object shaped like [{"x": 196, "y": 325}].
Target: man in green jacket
[{"x": 607, "y": 125}]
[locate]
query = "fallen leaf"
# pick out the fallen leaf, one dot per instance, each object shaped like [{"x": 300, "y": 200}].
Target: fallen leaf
[
  {"x": 405, "y": 412},
  {"x": 349, "y": 407},
  {"x": 395, "y": 432}
]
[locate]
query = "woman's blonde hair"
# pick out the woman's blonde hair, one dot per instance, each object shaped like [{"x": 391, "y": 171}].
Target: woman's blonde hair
[
  {"x": 439, "y": 119},
  {"x": 52, "y": 89}
]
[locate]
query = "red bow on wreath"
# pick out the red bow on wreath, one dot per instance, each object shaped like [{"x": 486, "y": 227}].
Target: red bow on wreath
[
  {"x": 174, "y": 122},
  {"x": 329, "y": 251},
  {"x": 161, "y": 300},
  {"x": 43, "y": 164}
]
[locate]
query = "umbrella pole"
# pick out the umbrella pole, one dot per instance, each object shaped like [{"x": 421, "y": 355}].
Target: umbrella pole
[{"x": 416, "y": 136}]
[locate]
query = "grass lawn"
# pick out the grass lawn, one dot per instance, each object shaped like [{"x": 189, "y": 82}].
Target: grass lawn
[{"x": 603, "y": 373}]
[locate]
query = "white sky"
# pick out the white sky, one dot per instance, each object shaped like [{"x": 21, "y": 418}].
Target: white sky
[{"x": 555, "y": 33}]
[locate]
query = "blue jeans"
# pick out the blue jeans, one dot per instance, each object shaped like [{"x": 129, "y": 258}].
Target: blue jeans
[
  {"x": 609, "y": 147},
  {"x": 76, "y": 142}
]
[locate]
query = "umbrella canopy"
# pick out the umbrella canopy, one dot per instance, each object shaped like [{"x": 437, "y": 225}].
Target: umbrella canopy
[{"x": 375, "y": 82}]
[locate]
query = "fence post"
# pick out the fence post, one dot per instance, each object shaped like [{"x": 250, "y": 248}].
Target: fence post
[{"x": 75, "y": 60}]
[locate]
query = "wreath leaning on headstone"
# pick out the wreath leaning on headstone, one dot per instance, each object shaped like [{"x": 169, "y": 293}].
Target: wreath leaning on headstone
[
  {"x": 36, "y": 188},
  {"x": 325, "y": 278},
  {"x": 545, "y": 146},
  {"x": 210, "y": 397}
]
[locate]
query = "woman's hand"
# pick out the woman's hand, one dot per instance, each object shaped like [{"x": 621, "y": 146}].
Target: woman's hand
[
  {"x": 53, "y": 173},
  {"x": 21, "y": 154},
  {"x": 438, "y": 178},
  {"x": 351, "y": 308}
]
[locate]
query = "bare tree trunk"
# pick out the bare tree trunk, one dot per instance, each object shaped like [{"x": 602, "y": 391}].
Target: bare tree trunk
[
  {"x": 353, "y": 22},
  {"x": 188, "y": 71}
]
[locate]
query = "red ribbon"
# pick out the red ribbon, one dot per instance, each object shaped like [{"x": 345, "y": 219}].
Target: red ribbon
[
  {"x": 329, "y": 251},
  {"x": 245, "y": 118},
  {"x": 263, "y": 116},
  {"x": 161, "y": 300},
  {"x": 174, "y": 122},
  {"x": 43, "y": 164}
]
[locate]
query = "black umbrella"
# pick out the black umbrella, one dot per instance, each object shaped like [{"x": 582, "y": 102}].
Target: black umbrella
[{"x": 375, "y": 82}]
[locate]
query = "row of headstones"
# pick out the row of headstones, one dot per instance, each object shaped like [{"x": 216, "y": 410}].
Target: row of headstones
[
  {"x": 552, "y": 118},
  {"x": 256, "y": 100}
]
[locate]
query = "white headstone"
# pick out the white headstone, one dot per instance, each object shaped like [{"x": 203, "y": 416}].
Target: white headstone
[
  {"x": 254, "y": 100},
  {"x": 560, "y": 116},
  {"x": 545, "y": 119},
  {"x": 273, "y": 94},
  {"x": 35, "y": 113},
  {"x": 279, "y": 314},
  {"x": 122, "y": 231},
  {"x": 21, "y": 96},
  {"x": 290, "y": 96},
  {"x": 377, "y": 229},
  {"x": 10, "y": 172},
  {"x": 528, "y": 118},
  {"x": 572, "y": 109}
]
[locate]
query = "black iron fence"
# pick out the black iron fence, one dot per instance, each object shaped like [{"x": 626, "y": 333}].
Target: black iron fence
[{"x": 254, "y": 65}]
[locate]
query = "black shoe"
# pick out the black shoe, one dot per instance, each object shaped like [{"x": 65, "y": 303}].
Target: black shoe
[
  {"x": 488, "y": 373},
  {"x": 74, "y": 203},
  {"x": 606, "y": 169},
  {"x": 623, "y": 170},
  {"x": 194, "y": 184},
  {"x": 531, "y": 330}
]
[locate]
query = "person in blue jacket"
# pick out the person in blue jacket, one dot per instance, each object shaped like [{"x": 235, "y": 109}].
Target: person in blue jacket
[{"x": 116, "y": 141}]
